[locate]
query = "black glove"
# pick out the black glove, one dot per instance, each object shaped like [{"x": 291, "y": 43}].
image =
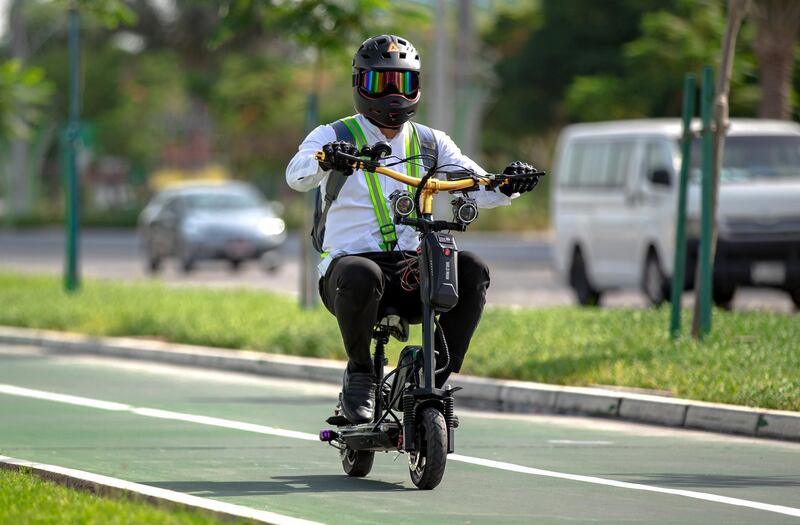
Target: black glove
[
  {"x": 523, "y": 177},
  {"x": 334, "y": 161}
]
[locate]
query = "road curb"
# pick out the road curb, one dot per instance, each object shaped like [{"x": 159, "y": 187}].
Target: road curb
[
  {"x": 105, "y": 485},
  {"x": 483, "y": 393}
]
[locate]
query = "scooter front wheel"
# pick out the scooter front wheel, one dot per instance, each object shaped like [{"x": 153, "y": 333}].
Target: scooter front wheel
[
  {"x": 428, "y": 461},
  {"x": 357, "y": 463}
]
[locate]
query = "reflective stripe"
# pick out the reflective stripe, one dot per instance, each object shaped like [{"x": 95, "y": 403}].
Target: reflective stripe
[
  {"x": 412, "y": 149},
  {"x": 385, "y": 224}
]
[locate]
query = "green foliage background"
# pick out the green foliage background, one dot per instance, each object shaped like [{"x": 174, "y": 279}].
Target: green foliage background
[{"x": 249, "y": 66}]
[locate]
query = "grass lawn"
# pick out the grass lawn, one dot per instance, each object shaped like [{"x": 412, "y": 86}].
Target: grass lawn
[
  {"x": 751, "y": 358},
  {"x": 26, "y": 499}
]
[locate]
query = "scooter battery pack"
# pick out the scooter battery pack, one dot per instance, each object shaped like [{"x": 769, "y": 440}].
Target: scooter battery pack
[
  {"x": 405, "y": 367},
  {"x": 438, "y": 260}
]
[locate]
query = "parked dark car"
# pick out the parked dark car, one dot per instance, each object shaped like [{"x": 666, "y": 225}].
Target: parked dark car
[{"x": 223, "y": 221}]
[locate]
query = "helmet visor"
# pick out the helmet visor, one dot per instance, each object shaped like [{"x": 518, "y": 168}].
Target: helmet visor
[{"x": 377, "y": 83}]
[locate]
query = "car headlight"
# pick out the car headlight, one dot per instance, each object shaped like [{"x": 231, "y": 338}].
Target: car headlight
[{"x": 271, "y": 226}]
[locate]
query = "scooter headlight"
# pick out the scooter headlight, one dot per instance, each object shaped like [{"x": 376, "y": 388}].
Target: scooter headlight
[
  {"x": 402, "y": 203},
  {"x": 465, "y": 210}
]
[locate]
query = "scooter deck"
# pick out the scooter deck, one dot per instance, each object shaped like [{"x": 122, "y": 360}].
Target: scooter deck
[{"x": 366, "y": 436}]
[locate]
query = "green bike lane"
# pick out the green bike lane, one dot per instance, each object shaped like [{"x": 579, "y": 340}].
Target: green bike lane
[{"x": 303, "y": 478}]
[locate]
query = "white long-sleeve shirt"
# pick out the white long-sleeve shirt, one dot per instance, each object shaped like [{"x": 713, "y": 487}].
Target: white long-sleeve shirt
[{"x": 351, "y": 225}]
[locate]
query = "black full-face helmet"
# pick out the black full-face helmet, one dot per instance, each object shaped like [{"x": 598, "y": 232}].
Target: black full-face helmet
[{"x": 386, "y": 80}]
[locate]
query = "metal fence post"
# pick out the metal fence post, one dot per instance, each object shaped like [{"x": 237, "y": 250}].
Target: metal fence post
[
  {"x": 72, "y": 222},
  {"x": 679, "y": 264},
  {"x": 704, "y": 264}
]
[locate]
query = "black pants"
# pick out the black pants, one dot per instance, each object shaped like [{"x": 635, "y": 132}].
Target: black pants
[{"x": 357, "y": 288}]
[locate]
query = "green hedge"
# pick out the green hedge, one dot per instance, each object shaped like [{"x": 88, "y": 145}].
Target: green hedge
[{"x": 751, "y": 358}]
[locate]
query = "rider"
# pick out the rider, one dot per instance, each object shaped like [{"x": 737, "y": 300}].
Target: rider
[{"x": 364, "y": 258}]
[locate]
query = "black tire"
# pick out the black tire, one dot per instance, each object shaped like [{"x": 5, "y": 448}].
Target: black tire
[
  {"x": 185, "y": 259},
  {"x": 153, "y": 264},
  {"x": 654, "y": 283},
  {"x": 723, "y": 296},
  {"x": 187, "y": 265},
  {"x": 795, "y": 295},
  {"x": 357, "y": 463},
  {"x": 585, "y": 293},
  {"x": 271, "y": 262},
  {"x": 428, "y": 462}
]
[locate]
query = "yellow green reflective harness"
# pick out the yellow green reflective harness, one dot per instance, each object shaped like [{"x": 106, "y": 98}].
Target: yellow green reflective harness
[{"x": 420, "y": 139}]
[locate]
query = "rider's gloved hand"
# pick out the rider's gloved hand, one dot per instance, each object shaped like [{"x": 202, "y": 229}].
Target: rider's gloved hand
[
  {"x": 524, "y": 177},
  {"x": 334, "y": 161}
]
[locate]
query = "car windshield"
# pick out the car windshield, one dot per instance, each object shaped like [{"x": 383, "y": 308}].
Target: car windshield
[
  {"x": 222, "y": 201},
  {"x": 747, "y": 158}
]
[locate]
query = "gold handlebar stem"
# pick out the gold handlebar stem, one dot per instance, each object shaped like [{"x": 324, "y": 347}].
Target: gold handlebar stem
[{"x": 432, "y": 186}]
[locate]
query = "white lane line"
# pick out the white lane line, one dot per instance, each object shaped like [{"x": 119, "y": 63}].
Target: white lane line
[
  {"x": 224, "y": 423},
  {"x": 152, "y": 412},
  {"x": 577, "y": 442},
  {"x": 162, "y": 494},
  {"x": 780, "y": 509},
  {"x": 511, "y": 467},
  {"x": 62, "y": 398}
]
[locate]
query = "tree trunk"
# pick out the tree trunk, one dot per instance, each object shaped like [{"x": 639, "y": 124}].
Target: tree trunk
[
  {"x": 778, "y": 24},
  {"x": 737, "y": 9}
]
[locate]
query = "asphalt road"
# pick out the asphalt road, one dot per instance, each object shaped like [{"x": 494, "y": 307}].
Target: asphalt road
[
  {"x": 520, "y": 266},
  {"x": 251, "y": 441}
]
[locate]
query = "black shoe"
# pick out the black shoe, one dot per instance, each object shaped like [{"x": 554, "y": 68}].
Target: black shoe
[{"x": 358, "y": 397}]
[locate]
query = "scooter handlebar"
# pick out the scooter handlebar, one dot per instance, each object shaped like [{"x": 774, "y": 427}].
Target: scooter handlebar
[{"x": 433, "y": 185}]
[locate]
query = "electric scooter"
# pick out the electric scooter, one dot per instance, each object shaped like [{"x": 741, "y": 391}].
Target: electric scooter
[{"x": 411, "y": 415}]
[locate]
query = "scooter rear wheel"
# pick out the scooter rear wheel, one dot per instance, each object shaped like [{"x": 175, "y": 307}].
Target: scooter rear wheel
[
  {"x": 427, "y": 463},
  {"x": 357, "y": 463}
]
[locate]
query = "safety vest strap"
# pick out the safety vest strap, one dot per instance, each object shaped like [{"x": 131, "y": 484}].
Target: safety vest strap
[
  {"x": 385, "y": 223},
  {"x": 419, "y": 141}
]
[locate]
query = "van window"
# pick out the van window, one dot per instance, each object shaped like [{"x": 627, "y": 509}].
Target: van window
[
  {"x": 656, "y": 157},
  {"x": 598, "y": 164},
  {"x": 571, "y": 165},
  {"x": 620, "y": 155},
  {"x": 586, "y": 165},
  {"x": 747, "y": 158},
  {"x": 593, "y": 170}
]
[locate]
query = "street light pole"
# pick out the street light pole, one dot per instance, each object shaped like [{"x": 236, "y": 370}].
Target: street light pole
[{"x": 71, "y": 270}]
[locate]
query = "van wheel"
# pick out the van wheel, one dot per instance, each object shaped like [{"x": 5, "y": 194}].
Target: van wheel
[
  {"x": 795, "y": 295},
  {"x": 153, "y": 264},
  {"x": 723, "y": 296},
  {"x": 579, "y": 280},
  {"x": 654, "y": 283}
]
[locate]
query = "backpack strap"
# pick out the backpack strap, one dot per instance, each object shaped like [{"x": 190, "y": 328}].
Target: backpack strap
[
  {"x": 379, "y": 204},
  {"x": 426, "y": 144}
]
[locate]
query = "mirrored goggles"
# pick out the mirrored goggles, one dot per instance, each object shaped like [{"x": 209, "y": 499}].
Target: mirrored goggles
[{"x": 381, "y": 82}]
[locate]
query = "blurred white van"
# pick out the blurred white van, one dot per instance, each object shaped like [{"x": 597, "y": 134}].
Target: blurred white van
[{"x": 615, "y": 197}]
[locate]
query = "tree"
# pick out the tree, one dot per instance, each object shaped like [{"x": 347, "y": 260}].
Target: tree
[
  {"x": 672, "y": 42},
  {"x": 24, "y": 96},
  {"x": 778, "y": 24}
]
